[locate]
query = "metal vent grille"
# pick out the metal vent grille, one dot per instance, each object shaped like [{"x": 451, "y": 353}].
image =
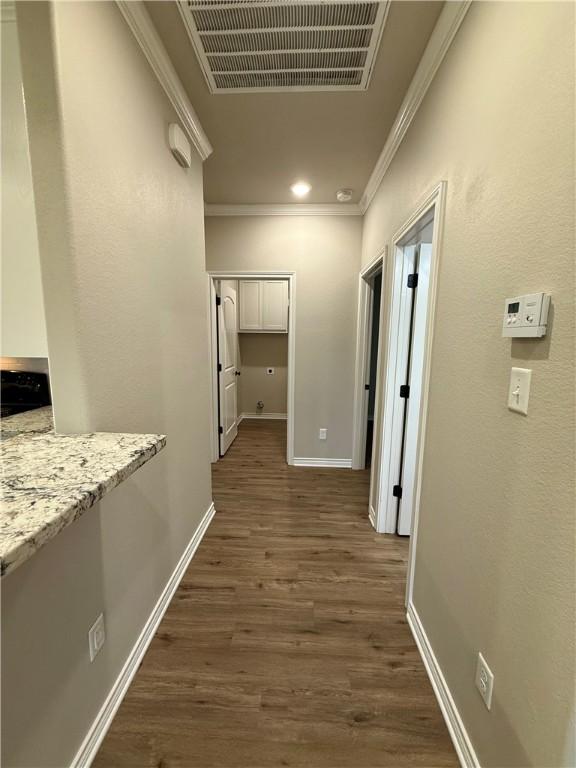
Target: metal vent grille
[{"x": 265, "y": 45}]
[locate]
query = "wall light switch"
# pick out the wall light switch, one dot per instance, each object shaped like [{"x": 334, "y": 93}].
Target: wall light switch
[
  {"x": 270, "y": 371},
  {"x": 519, "y": 390}
]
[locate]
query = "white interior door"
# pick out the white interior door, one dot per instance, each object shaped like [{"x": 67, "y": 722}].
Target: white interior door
[
  {"x": 227, "y": 363},
  {"x": 399, "y": 344},
  {"x": 414, "y": 403}
]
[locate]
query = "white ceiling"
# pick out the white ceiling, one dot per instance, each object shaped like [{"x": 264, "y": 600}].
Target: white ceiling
[{"x": 263, "y": 142}]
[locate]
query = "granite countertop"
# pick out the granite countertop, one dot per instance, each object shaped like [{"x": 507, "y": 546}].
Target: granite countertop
[{"x": 49, "y": 480}]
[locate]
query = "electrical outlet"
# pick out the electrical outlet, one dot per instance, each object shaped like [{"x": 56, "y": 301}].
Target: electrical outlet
[
  {"x": 484, "y": 680},
  {"x": 322, "y": 434},
  {"x": 96, "y": 637},
  {"x": 270, "y": 371}
]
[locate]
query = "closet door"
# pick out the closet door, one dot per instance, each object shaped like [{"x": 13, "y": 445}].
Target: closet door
[
  {"x": 275, "y": 305},
  {"x": 228, "y": 363},
  {"x": 250, "y": 305}
]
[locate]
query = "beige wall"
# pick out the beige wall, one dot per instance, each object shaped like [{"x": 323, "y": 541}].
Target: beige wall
[
  {"x": 23, "y": 323},
  {"x": 324, "y": 252},
  {"x": 122, "y": 249},
  {"x": 259, "y": 351},
  {"x": 495, "y": 552}
]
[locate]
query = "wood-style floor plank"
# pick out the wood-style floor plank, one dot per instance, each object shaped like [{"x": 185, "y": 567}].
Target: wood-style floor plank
[{"x": 286, "y": 643}]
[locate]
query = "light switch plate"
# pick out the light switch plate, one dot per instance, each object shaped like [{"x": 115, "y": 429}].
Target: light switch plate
[{"x": 519, "y": 390}]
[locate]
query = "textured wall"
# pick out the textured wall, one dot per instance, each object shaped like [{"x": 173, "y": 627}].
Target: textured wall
[
  {"x": 23, "y": 323},
  {"x": 259, "y": 351},
  {"x": 495, "y": 553},
  {"x": 122, "y": 250},
  {"x": 324, "y": 251}
]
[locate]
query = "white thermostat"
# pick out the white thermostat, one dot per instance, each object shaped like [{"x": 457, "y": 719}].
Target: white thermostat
[{"x": 526, "y": 316}]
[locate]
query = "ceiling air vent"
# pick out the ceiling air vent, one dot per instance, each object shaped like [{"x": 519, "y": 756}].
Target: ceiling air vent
[{"x": 260, "y": 45}]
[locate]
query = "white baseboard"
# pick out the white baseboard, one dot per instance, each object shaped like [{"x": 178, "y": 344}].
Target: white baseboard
[
  {"x": 334, "y": 463},
  {"x": 99, "y": 727},
  {"x": 372, "y": 516},
  {"x": 283, "y": 416},
  {"x": 456, "y": 728}
]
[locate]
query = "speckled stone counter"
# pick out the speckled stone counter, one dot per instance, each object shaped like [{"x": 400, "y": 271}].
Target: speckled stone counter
[
  {"x": 50, "y": 480},
  {"x": 37, "y": 421}
]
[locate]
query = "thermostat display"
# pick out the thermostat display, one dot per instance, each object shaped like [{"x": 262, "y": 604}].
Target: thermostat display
[{"x": 526, "y": 316}]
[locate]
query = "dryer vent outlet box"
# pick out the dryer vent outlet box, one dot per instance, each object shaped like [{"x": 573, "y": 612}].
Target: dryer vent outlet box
[{"x": 180, "y": 145}]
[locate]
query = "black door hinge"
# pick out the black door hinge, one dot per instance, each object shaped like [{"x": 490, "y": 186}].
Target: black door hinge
[
  {"x": 219, "y": 367},
  {"x": 413, "y": 280},
  {"x": 366, "y": 387},
  {"x": 405, "y": 390},
  {"x": 220, "y": 430},
  {"x": 218, "y": 301},
  {"x": 397, "y": 491}
]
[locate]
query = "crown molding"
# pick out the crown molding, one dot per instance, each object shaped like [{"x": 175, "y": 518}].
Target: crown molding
[
  {"x": 290, "y": 209},
  {"x": 446, "y": 27},
  {"x": 137, "y": 18},
  {"x": 8, "y": 11}
]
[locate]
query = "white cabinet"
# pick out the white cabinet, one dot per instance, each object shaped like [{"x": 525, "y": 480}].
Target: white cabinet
[
  {"x": 264, "y": 306},
  {"x": 250, "y": 303}
]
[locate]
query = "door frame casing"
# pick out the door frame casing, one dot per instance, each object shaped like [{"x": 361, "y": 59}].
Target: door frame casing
[
  {"x": 212, "y": 277},
  {"x": 384, "y": 522},
  {"x": 363, "y": 335}
]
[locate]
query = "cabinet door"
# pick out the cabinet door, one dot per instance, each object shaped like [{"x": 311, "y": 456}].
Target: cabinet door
[
  {"x": 250, "y": 305},
  {"x": 275, "y": 305}
]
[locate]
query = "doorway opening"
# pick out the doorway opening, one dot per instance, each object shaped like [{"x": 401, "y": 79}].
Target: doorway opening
[
  {"x": 392, "y": 386},
  {"x": 367, "y": 360},
  {"x": 376, "y": 284},
  {"x": 251, "y": 353},
  {"x": 406, "y": 374}
]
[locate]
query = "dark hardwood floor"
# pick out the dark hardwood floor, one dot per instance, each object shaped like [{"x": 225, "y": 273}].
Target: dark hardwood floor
[{"x": 286, "y": 643}]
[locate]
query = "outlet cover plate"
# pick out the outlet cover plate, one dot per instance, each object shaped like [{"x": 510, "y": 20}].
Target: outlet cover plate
[
  {"x": 96, "y": 637},
  {"x": 484, "y": 680},
  {"x": 322, "y": 434}
]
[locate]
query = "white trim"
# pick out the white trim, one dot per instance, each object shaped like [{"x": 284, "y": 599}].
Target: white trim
[
  {"x": 213, "y": 275},
  {"x": 446, "y": 27},
  {"x": 384, "y": 524},
  {"x": 101, "y": 724},
  {"x": 454, "y": 723},
  {"x": 276, "y": 416},
  {"x": 139, "y": 21},
  {"x": 372, "y": 516},
  {"x": 288, "y": 209},
  {"x": 438, "y": 199},
  {"x": 363, "y": 331},
  {"x": 213, "y": 362},
  {"x": 314, "y": 462}
]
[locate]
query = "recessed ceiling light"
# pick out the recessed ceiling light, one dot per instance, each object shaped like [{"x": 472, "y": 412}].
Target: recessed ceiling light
[
  {"x": 300, "y": 188},
  {"x": 344, "y": 195}
]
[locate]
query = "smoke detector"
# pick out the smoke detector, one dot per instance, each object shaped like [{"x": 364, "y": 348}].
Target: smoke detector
[{"x": 344, "y": 195}]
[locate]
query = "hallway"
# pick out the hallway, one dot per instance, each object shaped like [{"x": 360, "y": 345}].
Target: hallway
[{"x": 286, "y": 643}]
